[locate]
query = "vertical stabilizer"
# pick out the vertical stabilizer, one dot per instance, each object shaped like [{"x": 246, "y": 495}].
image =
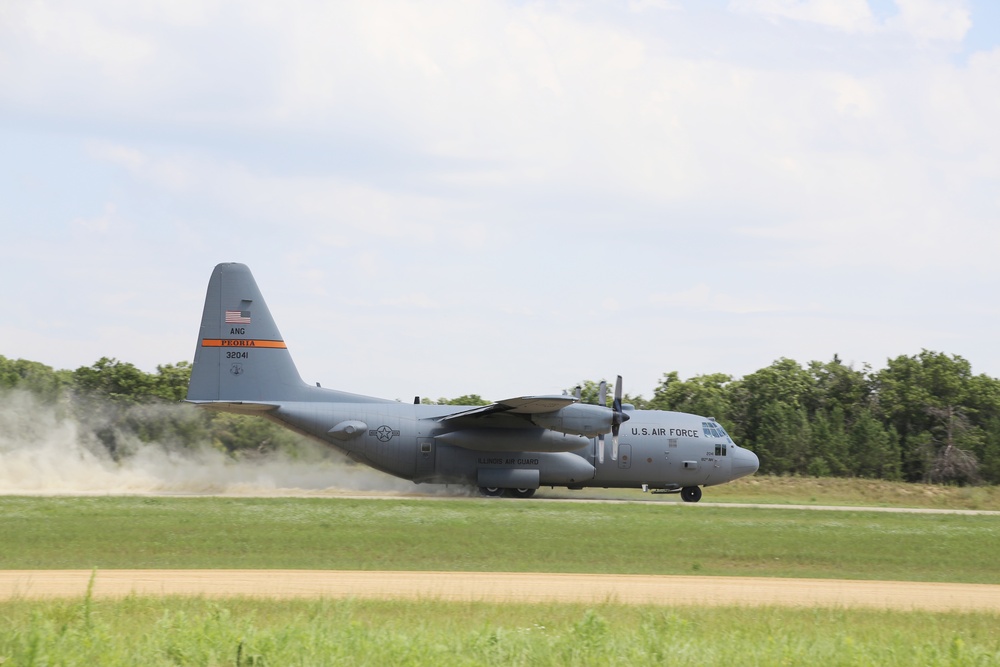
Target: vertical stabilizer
[{"x": 240, "y": 354}]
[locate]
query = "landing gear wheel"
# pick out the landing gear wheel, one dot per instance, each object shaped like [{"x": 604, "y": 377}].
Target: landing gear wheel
[
  {"x": 520, "y": 493},
  {"x": 691, "y": 494},
  {"x": 491, "y": 491}
]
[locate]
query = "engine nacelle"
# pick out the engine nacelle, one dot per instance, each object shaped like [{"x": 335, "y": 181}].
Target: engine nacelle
[{"x": 577, "y": 419}]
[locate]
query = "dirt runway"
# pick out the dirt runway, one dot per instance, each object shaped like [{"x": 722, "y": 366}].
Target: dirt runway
[{"x": 504, "y": 587}]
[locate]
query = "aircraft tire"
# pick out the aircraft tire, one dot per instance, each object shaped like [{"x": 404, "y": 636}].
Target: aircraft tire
[
  {"x": 520, "y": 493},
  {"x": 691, "y": 494},
  {"x": 491, "y": 491}
]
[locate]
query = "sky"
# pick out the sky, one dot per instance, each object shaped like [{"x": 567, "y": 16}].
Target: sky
[{"x": 504, "y": 198}]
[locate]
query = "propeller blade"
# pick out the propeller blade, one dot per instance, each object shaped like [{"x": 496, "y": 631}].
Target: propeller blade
[
  {"x": 617, "y": 419},
  {"x": 602, "y": 393},
  {"x": 578, "y": 392}
]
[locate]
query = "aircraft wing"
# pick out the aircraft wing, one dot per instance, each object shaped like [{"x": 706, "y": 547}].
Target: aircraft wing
[
  {"x": 513, "y": 425},
  {"x": 523, "y": 405}
]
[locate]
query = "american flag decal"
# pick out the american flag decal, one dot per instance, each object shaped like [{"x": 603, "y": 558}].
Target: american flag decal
[{"x": 237, "y": 317}]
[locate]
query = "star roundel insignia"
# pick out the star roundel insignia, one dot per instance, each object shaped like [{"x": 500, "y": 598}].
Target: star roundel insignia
[
  {"x": 237, "y": 369},
  {"x": 384, "y": 433}
]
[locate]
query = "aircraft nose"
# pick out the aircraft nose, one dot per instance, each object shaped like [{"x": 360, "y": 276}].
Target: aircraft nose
[{"x": 745, "y": 463}]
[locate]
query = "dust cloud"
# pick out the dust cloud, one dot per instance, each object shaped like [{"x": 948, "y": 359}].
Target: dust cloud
[{"x": 44, "y": 450}]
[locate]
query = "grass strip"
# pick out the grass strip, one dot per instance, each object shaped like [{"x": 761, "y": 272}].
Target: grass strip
[{"x": 493, "y": 535}]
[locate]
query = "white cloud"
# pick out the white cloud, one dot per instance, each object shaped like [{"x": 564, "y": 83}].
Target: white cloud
[
  {"x": 846, "y": 15},
  {"x": 946, "y": 20},
  {"x": 539, "y": 99},
  {"x": 704, "y": 298},
  {"x": 348, "y": 210},
  {"x": 126, "y": 156},
  {"x": 640, "y": 6},
  {"x": 100, "y": 225},
  {"x": 412, "y": 300},
  {"x": 73, "y": 33}
]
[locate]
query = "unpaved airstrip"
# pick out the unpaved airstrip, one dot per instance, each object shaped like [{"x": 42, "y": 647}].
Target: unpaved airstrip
[
  {"x": 502, "y": 587},
  {"x": 516, "y": 586}
]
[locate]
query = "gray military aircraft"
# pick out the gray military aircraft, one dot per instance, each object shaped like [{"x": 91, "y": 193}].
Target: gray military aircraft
[{"x": 511, "y": 447}]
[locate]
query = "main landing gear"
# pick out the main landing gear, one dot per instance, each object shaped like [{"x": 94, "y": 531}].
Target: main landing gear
[
  {"x": 691, "y": 494},
  {"x": 496, "y": 492}
]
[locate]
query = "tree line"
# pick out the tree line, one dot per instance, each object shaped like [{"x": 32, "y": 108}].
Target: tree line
[{"x": 922, "y": 418}]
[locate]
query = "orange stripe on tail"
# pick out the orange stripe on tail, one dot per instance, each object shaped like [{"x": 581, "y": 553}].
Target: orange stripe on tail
[{"x": 239, "y": 342}]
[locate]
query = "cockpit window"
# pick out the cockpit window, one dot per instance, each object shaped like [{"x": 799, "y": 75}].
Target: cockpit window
[{"x": 713, "y": 430}]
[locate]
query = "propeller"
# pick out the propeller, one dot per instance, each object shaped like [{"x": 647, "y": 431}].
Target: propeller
[
  {"x": 617, "y": 419},
  {"x": 602, "y": 400}
]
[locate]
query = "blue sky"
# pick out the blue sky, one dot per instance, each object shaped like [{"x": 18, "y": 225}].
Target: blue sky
[{"x": 504, "y": 198}]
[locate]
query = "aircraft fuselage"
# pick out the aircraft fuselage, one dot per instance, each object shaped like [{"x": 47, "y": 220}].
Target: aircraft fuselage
[{"x": 657, "y": 449}]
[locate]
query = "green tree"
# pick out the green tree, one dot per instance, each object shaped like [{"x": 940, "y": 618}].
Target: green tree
[
  {"x": 831, "y": 450},
  {"x": 927, "y": 398},
  {"x": 783, "y": 439},
  {"x": 983, "y": 406},
  {"x": 46, "y": 384},
  {"x": 116, "y": 381},
  {"x": 171, "y": 381},
  {"x": 988, "y": 452},
  {"x": 705, "y": 395},
  {"x": 590, "y": 393},
  {"x": 242, "y": 434},
  {"x": 769, "y": 410},
  {"x": 837, "y": 385},
  {"x": 467, "y": 399},
  {"x": 874, "y": 449}
]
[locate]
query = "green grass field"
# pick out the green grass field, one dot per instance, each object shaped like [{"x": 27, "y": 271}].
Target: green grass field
[
  {"x": 493, "y": 535},
  {"x": 866, "y": 492},
  {"x": 176, "y": 631},
  {"x": 488, "y": 535},
  {"x": 820, "y": 491}
]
